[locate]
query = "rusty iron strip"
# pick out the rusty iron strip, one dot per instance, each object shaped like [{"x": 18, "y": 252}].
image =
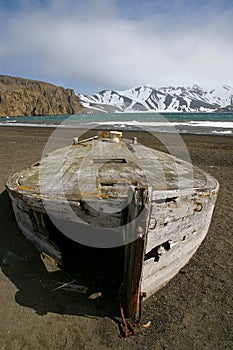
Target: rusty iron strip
[
  {"x": 127, "y": 328},
  {"x": 134, "y": 252}
]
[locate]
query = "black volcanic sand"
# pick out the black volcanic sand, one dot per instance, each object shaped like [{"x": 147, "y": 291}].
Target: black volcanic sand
[{"x": 193, "y": 311}]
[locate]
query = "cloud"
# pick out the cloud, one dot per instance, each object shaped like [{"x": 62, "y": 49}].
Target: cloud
[{"x": 95, "y": 44}]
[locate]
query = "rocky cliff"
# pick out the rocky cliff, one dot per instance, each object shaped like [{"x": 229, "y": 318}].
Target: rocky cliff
[{"x": 23, "y": 97}]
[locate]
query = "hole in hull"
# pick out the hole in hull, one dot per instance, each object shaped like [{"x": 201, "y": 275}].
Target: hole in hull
[{"x": 157, "y": 251}]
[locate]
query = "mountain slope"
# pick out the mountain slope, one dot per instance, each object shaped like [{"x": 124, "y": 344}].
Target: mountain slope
[
  {"x": 24, "y": 97},
  {"x": 170, "y": 99}
]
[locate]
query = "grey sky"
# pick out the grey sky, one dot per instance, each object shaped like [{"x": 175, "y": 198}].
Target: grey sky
[{"x": 100, "y": 44}]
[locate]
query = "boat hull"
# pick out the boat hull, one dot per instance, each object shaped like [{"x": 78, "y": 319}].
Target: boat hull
[
  {"x": 167, "y": 212},
  {"x": 176, "y": 228}
]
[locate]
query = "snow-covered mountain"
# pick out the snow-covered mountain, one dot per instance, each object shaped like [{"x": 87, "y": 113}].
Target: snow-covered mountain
[{"x": 168, "y": 99}]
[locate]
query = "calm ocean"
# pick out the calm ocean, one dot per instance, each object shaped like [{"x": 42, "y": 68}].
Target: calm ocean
[{"x": 195, "y": 123}]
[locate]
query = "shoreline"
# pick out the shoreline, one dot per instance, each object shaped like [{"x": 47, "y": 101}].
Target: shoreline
[
  {"x": 194, "y": 310},
  {"x": 172, "y": 125},
  {"x": 53, "y": 127}
]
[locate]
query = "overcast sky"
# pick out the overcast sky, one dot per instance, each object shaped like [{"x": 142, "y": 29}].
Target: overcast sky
[{"x": 90, "y": 45}]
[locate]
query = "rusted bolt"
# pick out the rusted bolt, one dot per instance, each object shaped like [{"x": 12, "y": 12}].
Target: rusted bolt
[
  {"x": 141, "y": 232},
  {"x": 140, "y": 229}
]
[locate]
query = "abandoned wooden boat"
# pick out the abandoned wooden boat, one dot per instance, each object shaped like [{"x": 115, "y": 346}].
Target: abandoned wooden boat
[{"x": 137, "y": 214}]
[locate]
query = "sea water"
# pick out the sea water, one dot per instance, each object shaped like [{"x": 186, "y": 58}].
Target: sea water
[{"x": 195, "y": 123}]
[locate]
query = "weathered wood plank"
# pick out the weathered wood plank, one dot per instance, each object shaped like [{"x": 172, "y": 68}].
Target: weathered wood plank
[{"x": 171, "y": 249}]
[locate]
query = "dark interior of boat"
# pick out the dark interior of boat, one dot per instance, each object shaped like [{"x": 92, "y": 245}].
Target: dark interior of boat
[{"x": 99, "y": 269}]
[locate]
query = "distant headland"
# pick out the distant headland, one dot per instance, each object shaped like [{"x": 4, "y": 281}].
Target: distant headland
[{"x": 25, "y": 97}]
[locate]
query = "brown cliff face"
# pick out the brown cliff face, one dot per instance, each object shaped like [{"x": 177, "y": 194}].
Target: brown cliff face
[{"x": 23, "y": 97}]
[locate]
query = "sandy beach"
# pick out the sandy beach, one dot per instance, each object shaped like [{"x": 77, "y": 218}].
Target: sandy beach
[{"x": 193, "y": 311}]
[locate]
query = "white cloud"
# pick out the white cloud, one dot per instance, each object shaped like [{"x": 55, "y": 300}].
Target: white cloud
[{"x": 72, "y": 41}]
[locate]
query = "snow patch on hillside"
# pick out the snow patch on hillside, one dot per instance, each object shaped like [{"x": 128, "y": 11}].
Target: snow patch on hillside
[{"x": 148, "y": 98}]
